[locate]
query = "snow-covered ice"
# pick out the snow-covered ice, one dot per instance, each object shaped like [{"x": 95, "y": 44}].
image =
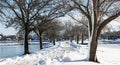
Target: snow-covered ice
[{"x": 66, "y": 53}]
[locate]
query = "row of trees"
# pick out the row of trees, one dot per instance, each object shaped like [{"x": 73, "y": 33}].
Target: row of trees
[
  {"x": 74, "y": 32},
  {"x": 111, "y": 35},
  {"x": 29, "y": 15}
]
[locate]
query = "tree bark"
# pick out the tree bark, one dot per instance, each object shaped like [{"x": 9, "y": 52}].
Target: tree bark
[
  {"x": 77, "y": 39},
  {"x": 94, "y": 37},
  {"x": 50, "y": 38},
  {"x": 82, "y": 39},
  {"x": 93, "y": 46},
  {"x": 26, "y": 45},
  {"x": 40, "y": 41},
  {"x": 53, "y": 39},
  {"x": 71, "y": 38}
]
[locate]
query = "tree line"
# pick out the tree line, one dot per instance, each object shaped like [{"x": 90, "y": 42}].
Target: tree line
[{"x": 36, "y": 15}]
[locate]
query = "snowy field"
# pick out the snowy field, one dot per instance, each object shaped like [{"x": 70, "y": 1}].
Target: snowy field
[{"x": 66, "y": 53}]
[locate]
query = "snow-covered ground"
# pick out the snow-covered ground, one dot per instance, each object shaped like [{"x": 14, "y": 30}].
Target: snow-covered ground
[{"x": 66, "y": 53}]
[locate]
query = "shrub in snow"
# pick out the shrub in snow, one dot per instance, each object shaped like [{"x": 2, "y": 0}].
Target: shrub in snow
[
  {"x": 42, "y": 62},
  {"x": 66, "y": 59}
]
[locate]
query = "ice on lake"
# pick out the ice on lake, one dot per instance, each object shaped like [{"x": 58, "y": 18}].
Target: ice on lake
[{"x": 15, "y": 49}]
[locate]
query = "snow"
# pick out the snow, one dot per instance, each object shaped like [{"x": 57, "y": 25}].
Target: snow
[
  {"x": 109, "y": 55},
  {"x": 110, "y": 41},
  {"x": 66, "y": 53}
]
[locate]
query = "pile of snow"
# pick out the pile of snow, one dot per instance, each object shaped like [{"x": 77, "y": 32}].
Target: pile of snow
[{"x": 64, "y": 53}]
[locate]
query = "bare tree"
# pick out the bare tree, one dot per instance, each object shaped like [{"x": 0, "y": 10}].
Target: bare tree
[
  {"x": 82, "y": 21},
  {"x": 107, "y": 28},
  {"x": 79, "y": 31},
  {"x": 53, "y": 31},
  {"x": 53, "y": 10},
  {"x": 68, "y": 34},
  {"x": 2, "y": 14},
  {"x": 99, "y": 13},
  {"x": 82, "y": 28},
  {"x": 24, "y": 12},
  {"x": 84, "y": 33},
  {"x": 76, "y": 31},
  {"x": 51, "y": 27}
]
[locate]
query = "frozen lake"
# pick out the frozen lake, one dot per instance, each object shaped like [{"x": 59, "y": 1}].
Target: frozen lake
[
  {"x": 18, "y": 50},
  {"x": 13, "y": 49}
]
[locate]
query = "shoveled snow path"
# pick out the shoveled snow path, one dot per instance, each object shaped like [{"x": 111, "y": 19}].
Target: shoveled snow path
[{"x": 43, "y": 57}]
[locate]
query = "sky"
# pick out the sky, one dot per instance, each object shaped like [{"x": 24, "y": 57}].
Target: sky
[
  {"x": 115, "y": 25},
  {"x": 7, "y": 31}
]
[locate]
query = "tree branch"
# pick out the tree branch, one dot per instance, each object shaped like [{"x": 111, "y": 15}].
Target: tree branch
[{"x": 105, "y": 22}]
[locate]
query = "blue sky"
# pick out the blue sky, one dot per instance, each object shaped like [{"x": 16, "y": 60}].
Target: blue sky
[{"x": 7, "y": 31}]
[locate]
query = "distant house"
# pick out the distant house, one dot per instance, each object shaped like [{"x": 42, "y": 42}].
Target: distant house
[
  {"x": 7, "y": 38},
  {"x": 35, "y": 37},
  {"x": 11, "y": 37},
  {"x": 2, "y": 37}
]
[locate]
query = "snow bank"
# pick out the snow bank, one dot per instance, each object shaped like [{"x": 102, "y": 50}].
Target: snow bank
[{"x": 64, "y": 53}]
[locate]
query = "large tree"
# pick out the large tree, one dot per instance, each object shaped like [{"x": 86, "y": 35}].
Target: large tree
[
  {"x": 53, "y": 10},
  {"x": 53, "y": 32},
  {"x": 24, "y": 12},
  {"x": 99, "y": 13},
  {"x": 81, "y": 27},
  {"x": 68, "y": 34}
]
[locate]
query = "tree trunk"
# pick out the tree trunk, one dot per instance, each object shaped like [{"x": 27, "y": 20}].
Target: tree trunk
[
  {"x": 40, "y": 41},
  {"x": 82, "y": 40},
  {"x": 26, "y": 45},
  {"x": 77, "y": 39},
  {"x": 50, "y": 38},
  {"x": 53, "y": 39},
  {"x": 93, "y": 46},
  {"x": 71, "y": 38},
  {"x": 94, "y": 34}
]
